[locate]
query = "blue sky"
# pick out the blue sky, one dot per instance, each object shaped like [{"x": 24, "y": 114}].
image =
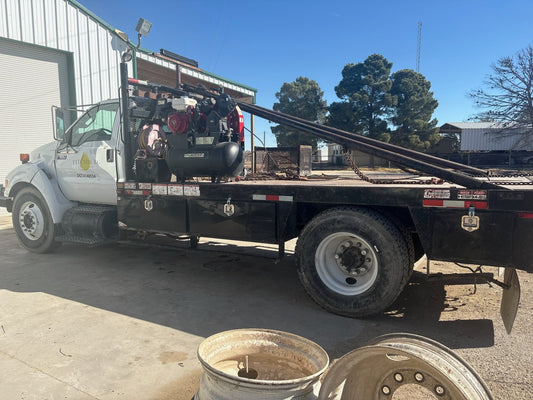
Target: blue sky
[{"x": 264, "y": 43}]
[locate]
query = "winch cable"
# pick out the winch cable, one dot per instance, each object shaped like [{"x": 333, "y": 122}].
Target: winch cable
[{"x": 393, "y": 153}]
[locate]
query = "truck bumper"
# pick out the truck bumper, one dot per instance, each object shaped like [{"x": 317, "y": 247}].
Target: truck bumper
[{"x": 6, "y": 202}]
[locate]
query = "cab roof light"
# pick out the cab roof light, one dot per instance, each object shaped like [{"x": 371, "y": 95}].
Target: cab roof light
[{"x": 24, "y": 158}]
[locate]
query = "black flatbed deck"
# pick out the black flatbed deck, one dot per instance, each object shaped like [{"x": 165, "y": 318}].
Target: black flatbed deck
[{"x": 276, "y": 210}]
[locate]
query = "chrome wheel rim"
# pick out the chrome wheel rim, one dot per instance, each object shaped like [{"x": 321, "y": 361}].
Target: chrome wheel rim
[{"x": 31, "y": 220}]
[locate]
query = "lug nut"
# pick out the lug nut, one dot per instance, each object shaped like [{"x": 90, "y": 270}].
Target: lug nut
[{"x": 439, "y": 390}]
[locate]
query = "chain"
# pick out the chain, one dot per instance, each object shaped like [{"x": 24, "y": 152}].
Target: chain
[
  {"x": 524, "y": 183},
  {"x": 355, "y": 168},
  {"x": 366, "y": 178}
]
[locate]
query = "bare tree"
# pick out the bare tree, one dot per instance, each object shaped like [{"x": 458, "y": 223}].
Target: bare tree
[{"x": 508, "y": 97}]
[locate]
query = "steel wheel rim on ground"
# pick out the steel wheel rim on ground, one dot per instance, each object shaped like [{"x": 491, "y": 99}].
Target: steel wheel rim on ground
[
  {"x": 287, "y": 366},
  {"x": 377, "y": 371},
  {"x": 336, "y": 276},
  {"x": 31, "y": 220}
]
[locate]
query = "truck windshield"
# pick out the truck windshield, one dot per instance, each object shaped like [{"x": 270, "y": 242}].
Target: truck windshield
[{"x": 95, "y": 125}]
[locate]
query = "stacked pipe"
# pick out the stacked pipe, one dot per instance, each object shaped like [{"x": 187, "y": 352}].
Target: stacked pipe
[{"x": 447, "y": 170}]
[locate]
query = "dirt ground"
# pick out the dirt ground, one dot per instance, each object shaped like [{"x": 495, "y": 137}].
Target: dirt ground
[{"x": 124, "y": 321}]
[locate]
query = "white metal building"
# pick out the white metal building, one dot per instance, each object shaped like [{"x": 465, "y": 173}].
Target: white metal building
[
  {"x": 57, "y": 52},
  {"x": 52, "y": 52},
  {"x": 489, "y": 136}
]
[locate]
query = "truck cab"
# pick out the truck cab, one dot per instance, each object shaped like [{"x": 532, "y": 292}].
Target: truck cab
[
  {"x": 81, "y": 167},
  {"x": 87, "y": 159}
]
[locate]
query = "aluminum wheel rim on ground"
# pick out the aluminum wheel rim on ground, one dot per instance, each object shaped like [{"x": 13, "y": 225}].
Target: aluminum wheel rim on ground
[
  {"x": 336, "y": 277},
  {"x": 377, "y": 371},
  {"x": 437, "y": 355}
]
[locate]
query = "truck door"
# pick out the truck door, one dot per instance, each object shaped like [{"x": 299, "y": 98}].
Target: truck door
[{"x": 86, "y": 159}]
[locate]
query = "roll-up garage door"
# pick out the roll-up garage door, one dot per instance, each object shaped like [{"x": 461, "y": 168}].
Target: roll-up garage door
[{"x": 32, "y": 79}]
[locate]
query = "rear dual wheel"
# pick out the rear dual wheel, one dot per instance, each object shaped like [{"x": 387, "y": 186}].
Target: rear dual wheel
[{"x": 353, "y": 261}]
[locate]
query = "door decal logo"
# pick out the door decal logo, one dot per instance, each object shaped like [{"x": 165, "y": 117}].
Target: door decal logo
[{"x": 85, "y": 163}]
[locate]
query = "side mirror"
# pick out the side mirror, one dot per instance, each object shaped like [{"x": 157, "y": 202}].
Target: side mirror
[{"x": 58, "y": 122}]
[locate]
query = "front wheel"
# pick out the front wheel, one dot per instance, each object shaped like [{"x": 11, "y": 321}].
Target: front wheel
[
  {"x": 33, "y": 222},
  {"x": 352, "y": 261}
]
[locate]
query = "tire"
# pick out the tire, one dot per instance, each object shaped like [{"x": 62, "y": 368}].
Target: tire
[
  {"x": 353, "y": 261},
  {"x": 407, "y": 237},
  {"x": 33, "y": 222}
]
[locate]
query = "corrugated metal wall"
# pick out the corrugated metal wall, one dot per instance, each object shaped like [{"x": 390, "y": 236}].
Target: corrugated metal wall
[
  {"x": 482, "y": 139},
  {"x": 60, "y": 24}
]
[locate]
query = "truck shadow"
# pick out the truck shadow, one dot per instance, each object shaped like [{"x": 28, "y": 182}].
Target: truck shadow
[
  {"x": 428, "y": 309},
  {"x": 218, "y": 288}
]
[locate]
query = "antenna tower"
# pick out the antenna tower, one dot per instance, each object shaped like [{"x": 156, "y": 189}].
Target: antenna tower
[{"x": 418, "y": 46}]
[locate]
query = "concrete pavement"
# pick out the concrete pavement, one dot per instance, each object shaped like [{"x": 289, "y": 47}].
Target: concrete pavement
[{"x": 125, "y": 321}]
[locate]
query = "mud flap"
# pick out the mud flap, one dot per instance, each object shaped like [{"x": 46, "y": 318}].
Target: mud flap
[{"x": 510, "y": 298}]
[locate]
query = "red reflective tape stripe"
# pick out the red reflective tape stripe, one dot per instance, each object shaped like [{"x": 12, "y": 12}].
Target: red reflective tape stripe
[
  {"x": 454, "y": 203},
  {"x": 137, "y": 81},
  {"x": 272, "y": 197},
  {"x": 525, "y": 215},
  {"x": 477, "y": 204},
  {"x": 433, "y": 203}
]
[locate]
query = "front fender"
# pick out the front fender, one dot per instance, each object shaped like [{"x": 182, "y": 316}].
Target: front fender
[
  {"x": 23, "y": 174},
  {"x": 33, "y": 174}
]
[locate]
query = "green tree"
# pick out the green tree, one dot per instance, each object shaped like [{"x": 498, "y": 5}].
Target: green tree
[
  {"x": 366, "y": 98},
  {"x": 415, "y": 129},
  {"x": 395, "y": 108},
  {"x": 301, "y": 98},
  {"x": 508, "y": 97}
]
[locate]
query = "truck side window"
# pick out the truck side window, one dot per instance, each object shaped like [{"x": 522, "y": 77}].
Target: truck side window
[{"x": 95, "y": 125}]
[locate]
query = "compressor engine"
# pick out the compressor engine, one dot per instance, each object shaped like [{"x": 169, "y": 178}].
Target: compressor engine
[{"x": 192, "y": 135}]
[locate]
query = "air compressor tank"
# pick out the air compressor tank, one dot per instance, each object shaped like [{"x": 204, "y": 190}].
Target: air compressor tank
[{"x": 223, "y": 159}]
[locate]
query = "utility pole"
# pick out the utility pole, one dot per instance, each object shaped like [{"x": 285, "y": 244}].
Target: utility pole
[
  {"x": 252, "y": 141},
  {"x": 418, "y": 46}
]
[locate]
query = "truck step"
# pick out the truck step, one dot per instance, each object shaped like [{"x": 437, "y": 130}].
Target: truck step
[{"x": 89, "y": 241}]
